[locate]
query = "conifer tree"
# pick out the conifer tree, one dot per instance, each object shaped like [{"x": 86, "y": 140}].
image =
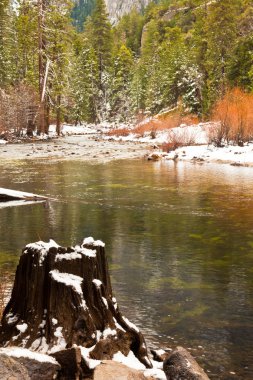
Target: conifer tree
[
  {"x": 6, "y": 44},
  {"x": 101, "y": 38},
  {"x": 121, "y": 86},
  {"x": 26, "y": 31},
  {"x": 221, "y": 26},
  {"x": 58, "y": 52},
  {"x": 98, "y": 35},
  {"x": 85, "y": 84},
  {"x": 129, "y": 31}
]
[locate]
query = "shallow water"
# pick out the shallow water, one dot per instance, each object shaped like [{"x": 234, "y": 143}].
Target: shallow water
[{"x": 179, "y": 241}]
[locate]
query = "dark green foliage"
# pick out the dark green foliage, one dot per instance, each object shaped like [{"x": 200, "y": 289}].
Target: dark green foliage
[
  {"x": 173, "y": 53},
  {"x": 129, "y": 30},
  {"x": 6, "y": 45},
  {"x": 240, "y": 71},
  {"x": 82, "y": 9}
]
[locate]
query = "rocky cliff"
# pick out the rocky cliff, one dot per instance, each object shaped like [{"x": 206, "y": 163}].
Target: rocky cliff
[{"x": 117, "y": 8}]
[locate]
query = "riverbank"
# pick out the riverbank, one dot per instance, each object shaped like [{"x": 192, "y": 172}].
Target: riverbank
[
  {"x": 95, "y": 144},
  {"x": 232, "y": 155},
  {"x": 190, "y": 143},
  {"x": 86, "y": 147}
]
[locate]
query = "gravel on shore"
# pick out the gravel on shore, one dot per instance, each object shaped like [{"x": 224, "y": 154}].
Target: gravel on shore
[{"x": 78, "y": 147}]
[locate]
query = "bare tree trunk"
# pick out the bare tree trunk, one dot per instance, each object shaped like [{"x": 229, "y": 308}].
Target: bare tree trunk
[
  {"x": 47, "y": 116},
  {"x": 58, "y": 115},
  {"x": 42, "y": 43}
]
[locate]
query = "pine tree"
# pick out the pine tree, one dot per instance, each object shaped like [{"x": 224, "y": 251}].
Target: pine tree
[
  {"x": 26, "y": 52},
  {"x": 121, "y": 87},
  {"x": 6, "y": 44},
  {"x": 129, "y": 31},
  {"x": 98, "y": 39},
  {"x": 58, "y": 52},
  {"x": 85, "y": 84},
  {"x": 241, "y": 65},
  {"x": 221, "y": 27},
  {"x": 241, "y": 62},
  {"x": 101, "y": 38}
]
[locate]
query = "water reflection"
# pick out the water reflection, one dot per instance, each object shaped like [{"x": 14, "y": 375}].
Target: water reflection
[{"x": 179, "y": 240}]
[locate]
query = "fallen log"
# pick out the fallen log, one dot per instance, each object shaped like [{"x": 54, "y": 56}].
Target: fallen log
[
  {"x": 62, "y": 298},
  {"x": 13, "y": 195}
]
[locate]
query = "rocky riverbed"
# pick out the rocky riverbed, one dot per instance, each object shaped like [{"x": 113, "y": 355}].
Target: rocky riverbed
[{"x": 87, "y": 147}]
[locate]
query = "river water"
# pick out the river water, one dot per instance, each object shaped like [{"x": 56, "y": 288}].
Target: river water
[{"x": 179, "y": 240}]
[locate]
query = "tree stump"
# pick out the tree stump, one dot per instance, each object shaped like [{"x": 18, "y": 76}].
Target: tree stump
[{"x": 62, "y": 297}]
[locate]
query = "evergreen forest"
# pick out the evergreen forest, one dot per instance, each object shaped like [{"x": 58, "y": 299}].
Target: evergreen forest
[{"x": 65, "y": 62}]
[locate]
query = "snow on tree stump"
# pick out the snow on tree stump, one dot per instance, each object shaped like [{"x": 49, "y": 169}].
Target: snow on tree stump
[{"x": 62, "y": 298}]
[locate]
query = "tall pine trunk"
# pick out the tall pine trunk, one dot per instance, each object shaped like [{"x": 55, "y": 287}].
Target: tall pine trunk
[
  {"x": 42, "y": 43},
  {"x": 58, "y": 115}
]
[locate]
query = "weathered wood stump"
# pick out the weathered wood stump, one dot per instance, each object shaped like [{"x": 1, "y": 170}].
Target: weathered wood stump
[{"x": 62, "y": 297}]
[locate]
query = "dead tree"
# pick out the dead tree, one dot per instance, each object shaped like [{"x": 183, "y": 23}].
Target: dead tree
[{"x": 63, "y": 297}]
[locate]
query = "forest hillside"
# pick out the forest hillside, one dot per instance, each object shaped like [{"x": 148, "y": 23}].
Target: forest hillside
[{"x": 171, "y": 54}]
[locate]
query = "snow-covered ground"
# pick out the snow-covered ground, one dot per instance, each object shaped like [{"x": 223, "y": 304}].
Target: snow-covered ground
[
  {"x": 74, "y": 130},
  {"x": 93, "y": 143},
  {"x": 234, "y": 155},
  {"x": 195, "y": 138}
]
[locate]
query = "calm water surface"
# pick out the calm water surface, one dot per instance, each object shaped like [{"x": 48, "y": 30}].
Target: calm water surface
[{"x": 179, "y": 241}]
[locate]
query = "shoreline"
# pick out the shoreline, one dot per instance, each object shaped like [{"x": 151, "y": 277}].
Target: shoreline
[
  {"x": 95, "y": 147},
  {"x": 86, "y": 147},
  {"x": 208, "y": 154}
]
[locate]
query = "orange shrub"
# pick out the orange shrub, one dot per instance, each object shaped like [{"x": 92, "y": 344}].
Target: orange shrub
[
  {"x": 158, "y": 123},
  {"x": 119, "y": 132},
  {"x": 234, "y": 113},
  {"x": 179, "y": 138}
]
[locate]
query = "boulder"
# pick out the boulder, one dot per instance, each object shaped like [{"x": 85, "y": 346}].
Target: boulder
[
  {"x": 38, "y": 366},
  {"x": 180, "y": 365},
  {"x": 109, "y": 369},
  {"x": 11, "y": 369}
]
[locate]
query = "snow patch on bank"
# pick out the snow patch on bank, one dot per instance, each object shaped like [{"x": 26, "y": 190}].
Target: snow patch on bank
[
  {"x": 130, "y": 360},
  {"x": 196, "y": 147},
  {"x": 17, "y": 352},
  {"x": 234, "y": 155}
]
